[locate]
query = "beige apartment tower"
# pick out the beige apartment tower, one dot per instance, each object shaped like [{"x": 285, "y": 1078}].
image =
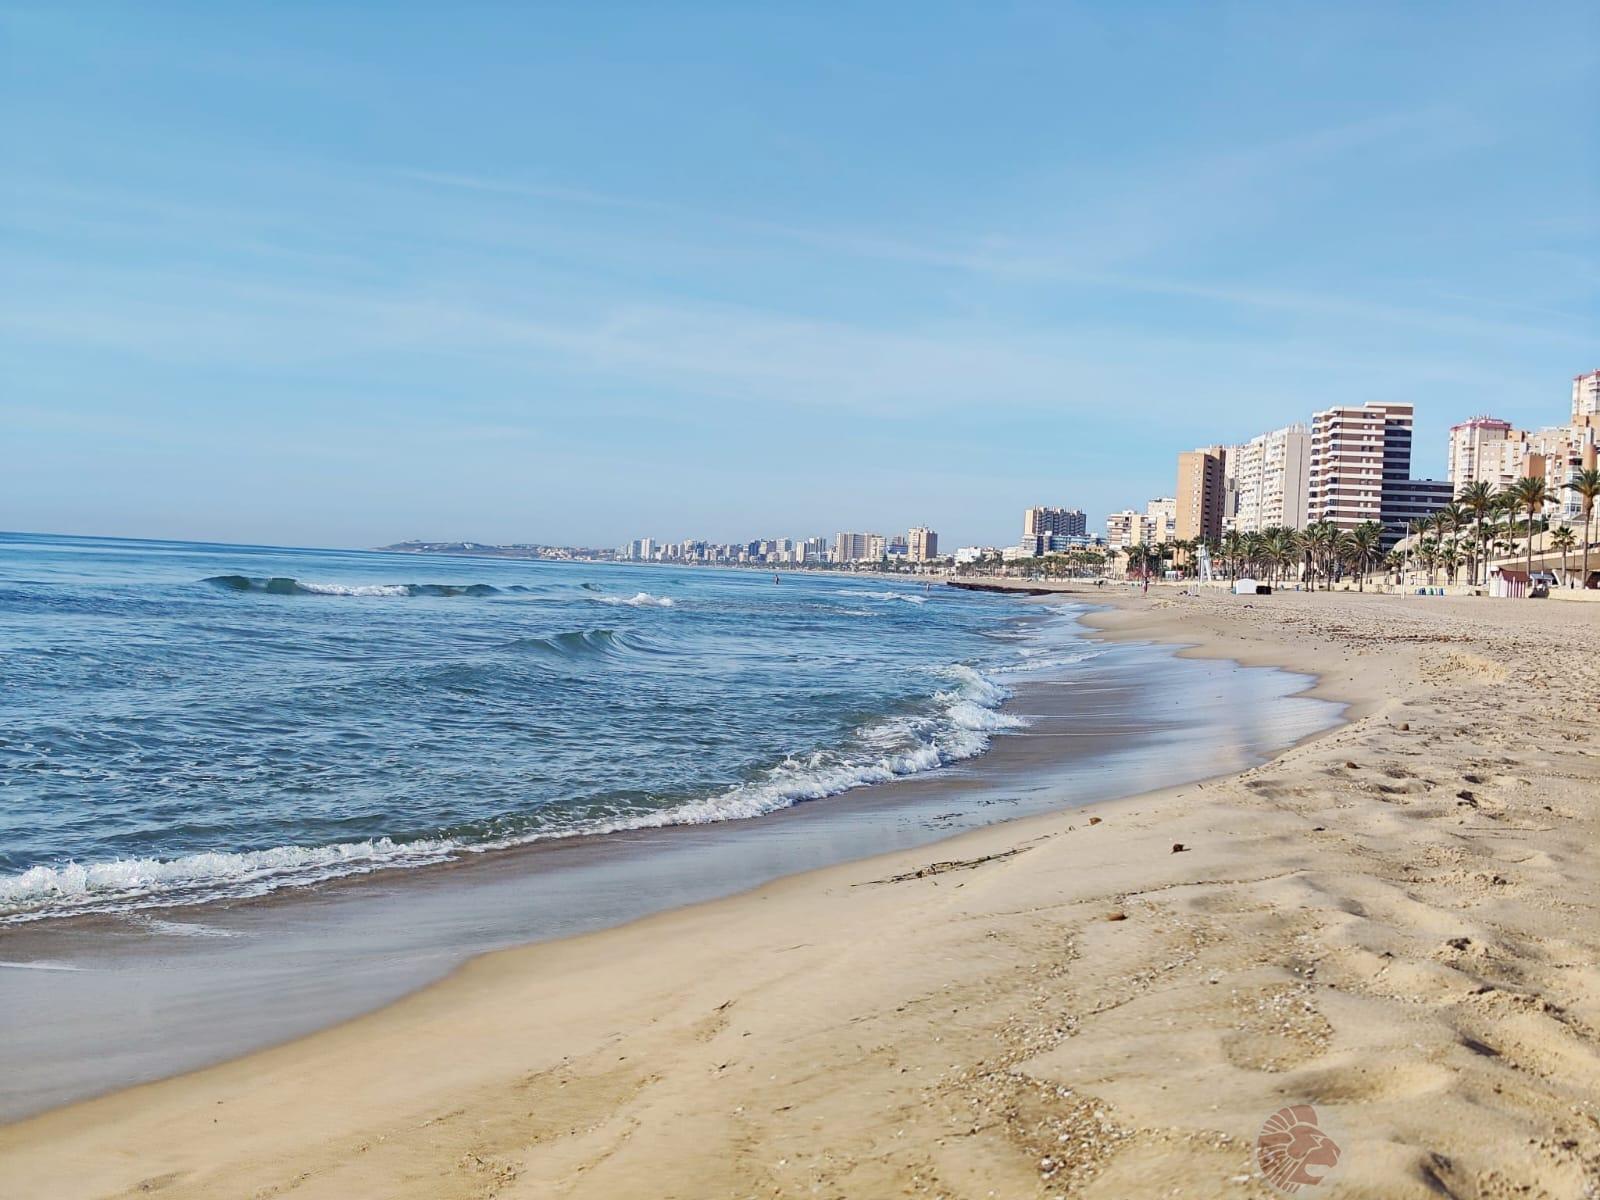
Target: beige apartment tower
[
  {"x": 1586, "y": 398},
  {"x": 1272, "y": 475},
  {"x": 1161, "y": 520},
  {"x": 922, "y": 544},
  {"x": 1480, "y": 449},
  {"x": 1125, "y": 529},
  {"x": 1201, "y": 494}
]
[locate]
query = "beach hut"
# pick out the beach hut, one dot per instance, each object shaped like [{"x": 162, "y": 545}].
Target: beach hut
[
  {"x": 1508, "y": 583},
  {"x": 1245, "y": 587}
]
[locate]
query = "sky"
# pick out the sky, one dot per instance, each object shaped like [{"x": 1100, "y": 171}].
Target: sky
[{"x": 343, "y": 274}]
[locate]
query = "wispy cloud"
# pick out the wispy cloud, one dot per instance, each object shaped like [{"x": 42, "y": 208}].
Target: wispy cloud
[{"x": 1108, "y": 243}]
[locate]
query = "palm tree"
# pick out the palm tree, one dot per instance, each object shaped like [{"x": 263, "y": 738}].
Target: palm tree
[
  {"x": 1530, "y": 494},
  {"x": 1344, "y": 551},
  {"x": 1563, "y": 539},
  {"x": 1251, "y": 550},
  {"x": 1450, "y": 557},
  {"x": 1394, "y": 563},
  {"x": 1439, "y": 523},
  {"x": 1477, "y": 498},
  {"x": 1361, "y": 546},
  {"x": 1138, "y": 561},
  {"x": 1587, "y": 485},
  {"x": 1187, "y": 548},
  {"x": 1427, "y": 555},
  {"x": 1505, "y": 538},
  {"x": 1503, "y": 526},
  {"x": 1456, "y": 518},
  {"x": 1321, "y": 543},
  {"x": 1282, "y": 547},
  {"x": 1233, "y": 551},
  {"x": 1414, "y": 531}
]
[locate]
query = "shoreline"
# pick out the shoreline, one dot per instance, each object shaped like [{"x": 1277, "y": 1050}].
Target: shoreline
[
  {"x": 387, "y": 934},
  {"x": 1402, "y": 950}
]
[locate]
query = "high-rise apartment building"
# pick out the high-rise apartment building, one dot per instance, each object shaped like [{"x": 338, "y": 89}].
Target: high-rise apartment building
[
  {"x": 1490, "y": 450},
  {"x": 1477, "y": 451},
  {"x": 1161, "y": 520},
  {"x": 1125, "y": 529},
  {"x": 877, "y": 546},
  {"x": 1272, "y": 476},
  {"x": 1058, "y": 522},
  {"x": 1361, "y": 470},
  {"x": 1354, "y": 449},
  {"x": 1586, "y": 397},
  {"x": 849, "y": 547},
  {"x": 922, "y": 544},
  {"x": 1201, "y": 493}
]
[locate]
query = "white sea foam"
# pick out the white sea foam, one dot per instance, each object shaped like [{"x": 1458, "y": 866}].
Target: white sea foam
[
  {"x": 959, "y": 727},
  {"x": 129, "y": 882},
  {"x": 638, "y": 600},
  {"x": 346, "y": 589},
  {"x": 1050, "y": 658},
  {"x": 971, "y": 716},
  {"x": 186, "y": 929},
  {"x": 887, "y": 750}
]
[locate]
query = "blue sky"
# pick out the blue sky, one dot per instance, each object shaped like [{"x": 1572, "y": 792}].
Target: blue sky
[{"x": 342, "y": 274}]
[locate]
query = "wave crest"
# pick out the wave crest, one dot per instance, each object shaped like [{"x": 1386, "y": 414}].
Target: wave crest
[
  {"x": 126, "y": 882},
  {"x": 903, "y": 597},
  {"x": 638, "y": 600},
  {"x": 959, "y": 725},
  {"x": 587, "y": 643},
  {"x": 282, "y": 585}
]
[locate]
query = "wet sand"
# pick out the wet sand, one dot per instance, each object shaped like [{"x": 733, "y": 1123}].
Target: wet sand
[{"x": 1397, "y": 922}]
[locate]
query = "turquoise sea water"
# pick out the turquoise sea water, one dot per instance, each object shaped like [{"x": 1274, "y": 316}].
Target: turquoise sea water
[{"x": 185, "y": 722}]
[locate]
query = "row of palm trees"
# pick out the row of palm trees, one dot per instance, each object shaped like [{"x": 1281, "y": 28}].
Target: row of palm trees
[
  {"x": 1481, "y": 519},
  {"x": 1321, "y": 552},
  {"x": 1315, "y": 553}
]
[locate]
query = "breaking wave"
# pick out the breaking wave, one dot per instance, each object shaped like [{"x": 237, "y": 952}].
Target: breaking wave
[
  {"x": 587, "y": 643},
  {"x": 957, "y": 725},
  {"x": 142, "y": 882},
  {"x": 903, "y": 597},
  {"x": 638, "y": 600},
  {"x": 285, "y": 586}
]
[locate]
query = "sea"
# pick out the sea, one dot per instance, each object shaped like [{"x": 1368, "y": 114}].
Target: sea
[{"x": 185, "y": 723}]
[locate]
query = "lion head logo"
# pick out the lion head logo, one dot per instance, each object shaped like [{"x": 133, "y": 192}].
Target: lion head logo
[{"x": 1293, "y": 1151}]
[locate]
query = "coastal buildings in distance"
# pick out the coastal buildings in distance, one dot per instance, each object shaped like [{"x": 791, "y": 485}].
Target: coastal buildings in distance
[
  {"x": 1047, "y": 530},
  {"x": 1489, "y": 449},
  {"x": 1353, "y": 464},
  {"x": 917, "y": 546},
  {"x": 1349, "y": 465}
]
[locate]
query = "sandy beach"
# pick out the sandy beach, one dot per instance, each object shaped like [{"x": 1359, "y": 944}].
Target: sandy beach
[{"x": 1395, "y": 922}]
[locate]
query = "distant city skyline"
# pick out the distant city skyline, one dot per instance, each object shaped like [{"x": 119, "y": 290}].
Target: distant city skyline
[
  {"x": 1354, "y": 465},
  {"x": 339, "y": 276}
]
